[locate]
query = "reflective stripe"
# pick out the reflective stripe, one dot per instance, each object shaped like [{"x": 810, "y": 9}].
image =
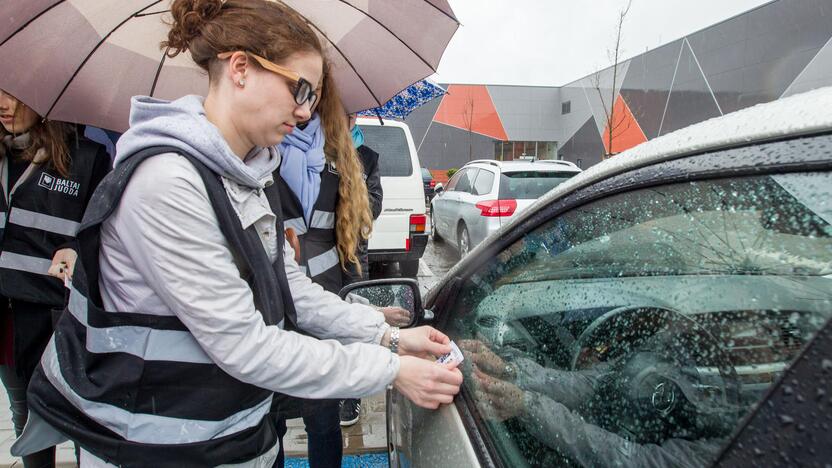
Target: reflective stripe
[
  {"x": 148, "y": 428},
  {"x": 322, "y": 220},
  {"x": 20, "y": 262},
  {"x": 2, "y": 220},
  {"x": 297, "y": 224},
  {"x": 322, "y": 262},
  {"x": 146, "y": 343},
  {"x": 33, "y": 219}
]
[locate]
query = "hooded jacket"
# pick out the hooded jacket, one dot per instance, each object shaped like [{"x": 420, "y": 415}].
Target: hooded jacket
[{"x": 164, "y": 254}]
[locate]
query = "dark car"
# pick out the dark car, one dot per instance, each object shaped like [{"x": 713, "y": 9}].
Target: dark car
[
  {"x": 669, "y": 307},
  {"x": 429, "y": 184}
]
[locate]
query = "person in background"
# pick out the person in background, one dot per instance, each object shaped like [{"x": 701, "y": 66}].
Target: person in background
[
  {"x": 350, "y": 410},
  {"x": 49, "y": 172}
]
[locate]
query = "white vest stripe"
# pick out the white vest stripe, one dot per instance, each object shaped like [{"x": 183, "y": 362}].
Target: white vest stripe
[
  {"x": 150, "y": 428},
  {"x": 322, "y": 220},
  {"x": 323, "y": 262},
  {"x": 44, "y": 222},
  {"x": 297, "y": 224},
  {"x": 2, "y": 220},
  {"x": 27, "y": 263},
  {"x": 146, "y": 343}
]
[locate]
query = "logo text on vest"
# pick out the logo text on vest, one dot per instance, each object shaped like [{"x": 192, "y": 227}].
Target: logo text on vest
[{"x": 59, "y": 185}]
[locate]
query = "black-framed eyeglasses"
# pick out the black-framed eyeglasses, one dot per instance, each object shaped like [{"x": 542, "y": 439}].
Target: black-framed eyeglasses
[{"x": 303, "y": 90}]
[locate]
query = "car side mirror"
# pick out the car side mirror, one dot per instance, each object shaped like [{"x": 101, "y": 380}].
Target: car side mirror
[
  {"x": 438, "y": 188},
  {"x": 398, "y": 298}
]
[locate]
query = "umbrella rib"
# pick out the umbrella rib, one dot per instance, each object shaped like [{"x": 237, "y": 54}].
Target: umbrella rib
[
  {"x": 335, "y": 46},
  {"x": 159, "y": 71},
  {"x": 87, "y": 58},
  {"x": 34, "y": 18},
  {"x": 345, "y": 2}
]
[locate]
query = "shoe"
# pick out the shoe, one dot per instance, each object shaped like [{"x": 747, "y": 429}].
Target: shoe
[{"x": 350, "y": 412}]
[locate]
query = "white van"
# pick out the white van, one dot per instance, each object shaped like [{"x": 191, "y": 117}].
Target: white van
[{"x": 399, "y": 232}]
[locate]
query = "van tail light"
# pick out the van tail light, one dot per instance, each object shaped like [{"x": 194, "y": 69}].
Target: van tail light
[
  {"x": 432, "y": 183},
  {"x": 497, "y": 208},
  {"x": 417, "y": 223}
]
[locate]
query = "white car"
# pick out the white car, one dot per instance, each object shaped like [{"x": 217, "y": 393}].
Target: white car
[
  {"x": 399, "y": 232},
  {"x": 485, "y": 195}
]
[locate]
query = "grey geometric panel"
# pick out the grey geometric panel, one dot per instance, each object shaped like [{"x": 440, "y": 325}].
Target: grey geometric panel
[
  {"x": 648, "y": 85},
  {"x": 585, "y": 145},
  {"x": 598, "y": 88},
  {"x": 691, "y": 100},
  {"x": 448, "y": 147},
  {"x": 420, "y": 119},
  {"x": 580, "y": 112},
  {"x": 816, "y": 75},
  {"x": 754, "y": 57},
  {"x": 528, "y": 113}
]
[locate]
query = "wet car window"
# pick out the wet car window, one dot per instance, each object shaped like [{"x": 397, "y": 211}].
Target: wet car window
[
  {"x": 638, "y": 330},
  {"x": 530, "y": 185},
  {"x": 466, "y": 180},
  {"x": 484, "y": 182}
]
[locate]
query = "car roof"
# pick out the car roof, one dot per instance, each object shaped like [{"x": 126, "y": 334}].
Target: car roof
[{"x": 515, "y": 166}]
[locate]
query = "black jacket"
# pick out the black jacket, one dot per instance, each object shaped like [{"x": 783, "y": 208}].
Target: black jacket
[{"x": 40, "y": 215}]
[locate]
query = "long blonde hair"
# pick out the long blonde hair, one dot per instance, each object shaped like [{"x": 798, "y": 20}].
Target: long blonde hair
[{"x": 353, "y": 218}]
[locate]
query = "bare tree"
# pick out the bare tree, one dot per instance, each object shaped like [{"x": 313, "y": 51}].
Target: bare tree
[
  {"x": 615, "y": 124},
  {"x": 468, "y": 119}
]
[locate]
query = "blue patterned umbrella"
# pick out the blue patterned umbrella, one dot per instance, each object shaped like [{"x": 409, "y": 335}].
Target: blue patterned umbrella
[{"x": 402, "y": 104}]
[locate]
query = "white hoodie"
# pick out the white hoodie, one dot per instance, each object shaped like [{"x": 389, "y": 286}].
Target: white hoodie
[{"x": 162, "y": 252}]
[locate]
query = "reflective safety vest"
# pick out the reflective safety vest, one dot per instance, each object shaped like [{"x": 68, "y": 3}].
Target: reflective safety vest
[
  {"x": 41, "y": 213},
  {"x": 318, "y": 254},
  {"x": 136, "y": 389}
]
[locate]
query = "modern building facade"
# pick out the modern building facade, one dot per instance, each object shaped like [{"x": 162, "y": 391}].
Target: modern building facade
[{"x": 778, "y": 49}]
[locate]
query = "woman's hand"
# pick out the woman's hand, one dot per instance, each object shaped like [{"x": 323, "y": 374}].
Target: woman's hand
[
  {"x": 498, "y": 399},
  {"x": 485, "y": 359},
  {"x": 63, "y": 264},
  {"x": 426, "y": 383},
  {"x": 424, "y": 342}
]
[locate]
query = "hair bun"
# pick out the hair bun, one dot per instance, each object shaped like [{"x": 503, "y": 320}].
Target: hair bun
[{"x": 189, "y": 17}]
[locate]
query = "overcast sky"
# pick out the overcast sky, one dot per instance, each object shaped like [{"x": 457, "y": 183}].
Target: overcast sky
[{"x": 554, "y": 42}]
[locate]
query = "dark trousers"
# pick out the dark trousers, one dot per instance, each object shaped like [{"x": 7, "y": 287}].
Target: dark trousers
[
  {"x": 32, "y": 325},
  {"x": 323, "y": 431},
  {"x": 16, "y": 389}
]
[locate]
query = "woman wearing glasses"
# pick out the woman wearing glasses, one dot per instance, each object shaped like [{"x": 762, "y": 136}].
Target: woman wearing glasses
[{"x": 181, "y": 323}]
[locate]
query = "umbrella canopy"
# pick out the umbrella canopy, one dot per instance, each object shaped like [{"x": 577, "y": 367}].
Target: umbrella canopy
[
  {"x": 402, "y": 104},
  {"x": 81, "y": 60}
]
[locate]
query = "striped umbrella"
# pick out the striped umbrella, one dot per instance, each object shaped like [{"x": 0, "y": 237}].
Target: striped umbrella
[{"x": 81, "y": 60}]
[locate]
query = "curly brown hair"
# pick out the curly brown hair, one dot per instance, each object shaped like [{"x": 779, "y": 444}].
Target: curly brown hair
[
  {"x": 207, "y": 28},
  {"x": 353, "y": 218}
]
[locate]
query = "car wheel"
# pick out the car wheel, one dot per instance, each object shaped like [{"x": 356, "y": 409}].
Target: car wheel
[
  {"x": 410, "y": 268},
  {"x": 433, "y": 233},
  {"x": 463, "y": 242}
]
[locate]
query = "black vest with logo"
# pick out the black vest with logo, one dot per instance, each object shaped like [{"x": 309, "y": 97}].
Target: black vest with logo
[
  {"x": 318, "y": 254},
  {"x": 42, "y": 213},
  {"x": 136, "y": 389}
]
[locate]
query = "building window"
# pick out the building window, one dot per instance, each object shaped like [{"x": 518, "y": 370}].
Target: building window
[
  {"x": 511, "y": 150},
  {"x": 566, "y": 107}
]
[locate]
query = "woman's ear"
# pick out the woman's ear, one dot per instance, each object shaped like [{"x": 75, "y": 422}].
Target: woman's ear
[{"x": 237, "y": 66}]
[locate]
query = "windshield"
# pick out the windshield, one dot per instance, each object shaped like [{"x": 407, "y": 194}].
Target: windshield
[
  {"x": 426, "y": 174},
  {"x": 530, "y": 185}
]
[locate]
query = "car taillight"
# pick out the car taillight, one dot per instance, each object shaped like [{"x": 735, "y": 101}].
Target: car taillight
[
  {"x": 432, "y": 183},
  {"x": 417, "y": 223},
  {"x": 497, "y": 208}
]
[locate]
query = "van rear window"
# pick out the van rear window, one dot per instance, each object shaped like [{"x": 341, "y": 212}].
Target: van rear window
[{"x": 391, "y": 145}]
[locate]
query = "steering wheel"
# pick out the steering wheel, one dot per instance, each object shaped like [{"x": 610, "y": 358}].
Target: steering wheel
[{"x": 662, "y": 375}]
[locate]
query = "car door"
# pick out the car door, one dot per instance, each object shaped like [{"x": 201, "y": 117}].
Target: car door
[
  {"x": 441, "y": 203},
  {"x": 454, "y": 204},
  {"x": 640, "y": 320}
]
